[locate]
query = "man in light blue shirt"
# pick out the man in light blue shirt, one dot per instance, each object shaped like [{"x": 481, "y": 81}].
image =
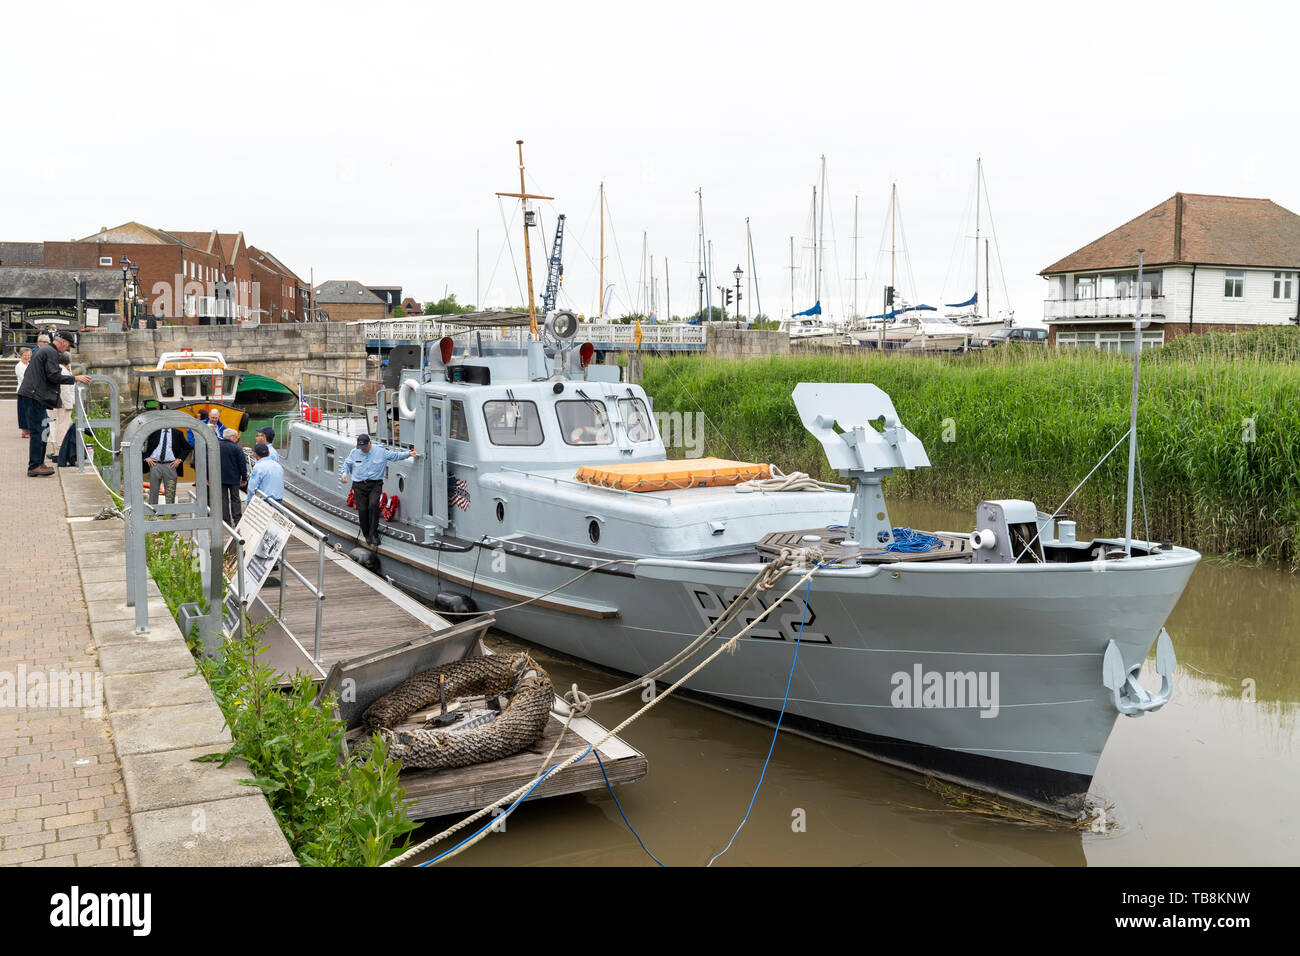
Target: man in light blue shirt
[
  {"x": 266, "y": 435},
  {"x": 267, "y": 476},
  {"x": 366, "y": 465}
]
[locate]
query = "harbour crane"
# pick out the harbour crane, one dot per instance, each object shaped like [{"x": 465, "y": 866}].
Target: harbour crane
[{"x": 554, "y": 269}]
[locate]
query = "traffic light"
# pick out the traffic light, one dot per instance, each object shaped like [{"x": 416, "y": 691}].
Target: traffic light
[
  {"x": 727, "y": 294},
  {"x": 889, "y": 296}
]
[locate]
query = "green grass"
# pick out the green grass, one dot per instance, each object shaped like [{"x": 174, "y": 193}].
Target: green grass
[{"x": 1218, "y": 427}]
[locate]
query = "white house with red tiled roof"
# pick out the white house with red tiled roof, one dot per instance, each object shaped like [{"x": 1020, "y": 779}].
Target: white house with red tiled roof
[{"x": 1210, "y": 263}]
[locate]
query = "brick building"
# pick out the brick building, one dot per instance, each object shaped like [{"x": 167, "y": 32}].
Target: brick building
[
  {"x": 1211, "y": 263},
  {"x": 184, "y": 277},
  {"x": 348, "y": 301}
]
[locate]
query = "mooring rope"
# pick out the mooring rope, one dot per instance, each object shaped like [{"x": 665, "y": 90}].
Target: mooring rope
[{"x": 518, "y": 794}]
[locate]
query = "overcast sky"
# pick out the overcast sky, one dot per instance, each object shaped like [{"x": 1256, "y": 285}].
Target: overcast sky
[{"x": 366, "y": 141}]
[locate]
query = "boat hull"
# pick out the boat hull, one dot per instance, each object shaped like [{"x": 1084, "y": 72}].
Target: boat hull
[{"x": 988, "y": 676}]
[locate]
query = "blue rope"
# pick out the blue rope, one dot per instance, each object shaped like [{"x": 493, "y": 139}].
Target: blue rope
[
  {"x": 788, "y": 681},
  {"x": 624, "y": 815},
  {"x": 906, "y": 541},
  {"x": 509, "y": 810}
]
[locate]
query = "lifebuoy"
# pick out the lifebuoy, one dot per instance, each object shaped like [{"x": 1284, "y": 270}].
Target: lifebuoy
[
  {"x": 405, "y": 404},
  {"x": 389, "y": 508}
]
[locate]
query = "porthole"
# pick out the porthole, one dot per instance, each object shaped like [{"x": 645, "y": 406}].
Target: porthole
[
  {"x": 501, "y": 512},
  {"x": 401, "y": 484},
  {"x": 593, "y": 531}
]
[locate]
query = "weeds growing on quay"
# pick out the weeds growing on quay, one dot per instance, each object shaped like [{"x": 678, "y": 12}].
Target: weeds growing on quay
[
  {"x": 333, "y": 813},
  {"x": 1218, "y": 423}
]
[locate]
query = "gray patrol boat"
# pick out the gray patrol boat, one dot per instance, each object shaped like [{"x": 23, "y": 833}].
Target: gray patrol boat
[{"x": 998, "y": 659}]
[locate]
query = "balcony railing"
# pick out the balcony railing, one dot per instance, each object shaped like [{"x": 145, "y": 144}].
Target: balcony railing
[{"x": 1119, "y": 307}]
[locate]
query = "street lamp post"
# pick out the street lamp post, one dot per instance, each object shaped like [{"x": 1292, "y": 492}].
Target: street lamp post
[
  {"x": 126, "y": 313},
  {"x": 701, "y": 313},
  {"x": 738, "y": 273}
]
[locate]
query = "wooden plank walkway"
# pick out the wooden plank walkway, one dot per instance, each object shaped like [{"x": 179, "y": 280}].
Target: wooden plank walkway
[{"x": 362, "y": 612}]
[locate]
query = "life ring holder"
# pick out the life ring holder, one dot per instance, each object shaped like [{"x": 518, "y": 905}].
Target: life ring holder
[{"x": 405, "y": 408}]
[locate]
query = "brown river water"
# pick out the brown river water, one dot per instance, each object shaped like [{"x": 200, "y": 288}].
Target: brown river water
[{"x": 1211, "y": 779}]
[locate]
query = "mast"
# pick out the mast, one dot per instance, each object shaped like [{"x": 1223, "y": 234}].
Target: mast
[
  {"x": 821, "y": 234},
  {"x": 600, "y": 295},
  {"x": 749, "y": 249},
  {"x": 668, "y": 294},
  {"x": 523, "y": 196},
  {"x": 855, "y": 255},
  {"x": 792, "y": 278},
  {"x": 817, "y": 288},
  {"x": 978, "y": 177},
  {"x": 478, "y": 301}
]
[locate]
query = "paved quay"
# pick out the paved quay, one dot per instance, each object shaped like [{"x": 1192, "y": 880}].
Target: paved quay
[{"x": 109, "y": 777}]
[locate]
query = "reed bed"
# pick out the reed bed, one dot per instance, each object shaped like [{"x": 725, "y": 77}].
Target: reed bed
[{"x": 1219, "y": 427}]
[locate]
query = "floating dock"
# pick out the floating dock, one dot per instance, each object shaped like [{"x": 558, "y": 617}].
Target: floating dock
[{"x": 367, "y": 622}]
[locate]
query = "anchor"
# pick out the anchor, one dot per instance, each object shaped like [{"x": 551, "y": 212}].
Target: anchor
[{"x": 1130, "y": 698}]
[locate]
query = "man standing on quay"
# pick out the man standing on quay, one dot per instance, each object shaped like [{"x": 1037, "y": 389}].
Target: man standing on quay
[
  {"x": 366, "y": 466},
  {"x": 40, "y": 387}
]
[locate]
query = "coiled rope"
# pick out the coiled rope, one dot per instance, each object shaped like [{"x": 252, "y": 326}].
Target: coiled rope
[{"x": 780, "y": 481}]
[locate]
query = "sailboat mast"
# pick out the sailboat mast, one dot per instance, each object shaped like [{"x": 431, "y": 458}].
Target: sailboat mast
[
  {"x": 855, "y": 255},
  {"x": 817, "y": 286},
  {"x": 792, "y": 277},
  {"x": 821, "y": 233},
  {"x": 977, "y": 232},
  {"x": 668, "y": 294},
  {"x": 600, "y": 293},
  {"x": 749, "y": 251},
  {"x": 988, "y": 296}
]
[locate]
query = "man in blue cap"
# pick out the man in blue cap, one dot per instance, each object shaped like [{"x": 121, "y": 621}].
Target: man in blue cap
[{"x": 366, "y": 465}]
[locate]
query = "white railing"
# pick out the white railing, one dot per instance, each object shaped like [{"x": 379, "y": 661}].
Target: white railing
[
  {"x": 1120, "y": 307},
  {"x": 431, "y": 329}
]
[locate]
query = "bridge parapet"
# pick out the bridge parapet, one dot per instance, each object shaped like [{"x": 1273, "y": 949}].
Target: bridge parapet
[{"x": 277, "y": 351}]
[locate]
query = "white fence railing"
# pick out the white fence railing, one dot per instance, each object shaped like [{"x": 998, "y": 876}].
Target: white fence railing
[
  {"x": 1117, "y": 307},
  {"x": 599, "y": 333}
]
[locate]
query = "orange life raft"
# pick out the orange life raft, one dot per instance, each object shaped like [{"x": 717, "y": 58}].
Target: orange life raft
[{"x": 671, "y": 475}]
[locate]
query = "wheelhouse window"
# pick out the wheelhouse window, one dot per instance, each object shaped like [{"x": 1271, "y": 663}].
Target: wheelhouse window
[
  {"x": 459, "y": 427},
  {"x": 636, "y": 419},
  {"x": 329, "y": 459},
  {"x": 1282, "y": 284},
  {"x": 1234, "y": 284},
  {"x": 584, "y": 423},
  {"x": 513, "y": 423}
]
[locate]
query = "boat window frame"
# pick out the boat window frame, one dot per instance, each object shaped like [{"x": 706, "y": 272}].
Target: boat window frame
[
  {"x": 564, "y": 431},
  {"x": 492, "y": 430},
  {"x": 456, "y": 416},
  {"x": 649, "y": 419}
]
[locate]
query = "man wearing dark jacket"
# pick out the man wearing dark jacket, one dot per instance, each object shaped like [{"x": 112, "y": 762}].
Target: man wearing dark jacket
[
  {"x": 40, "y": 386},
  {"x": 234, "y": 475},
  {"x": 163, "y": 453}
]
